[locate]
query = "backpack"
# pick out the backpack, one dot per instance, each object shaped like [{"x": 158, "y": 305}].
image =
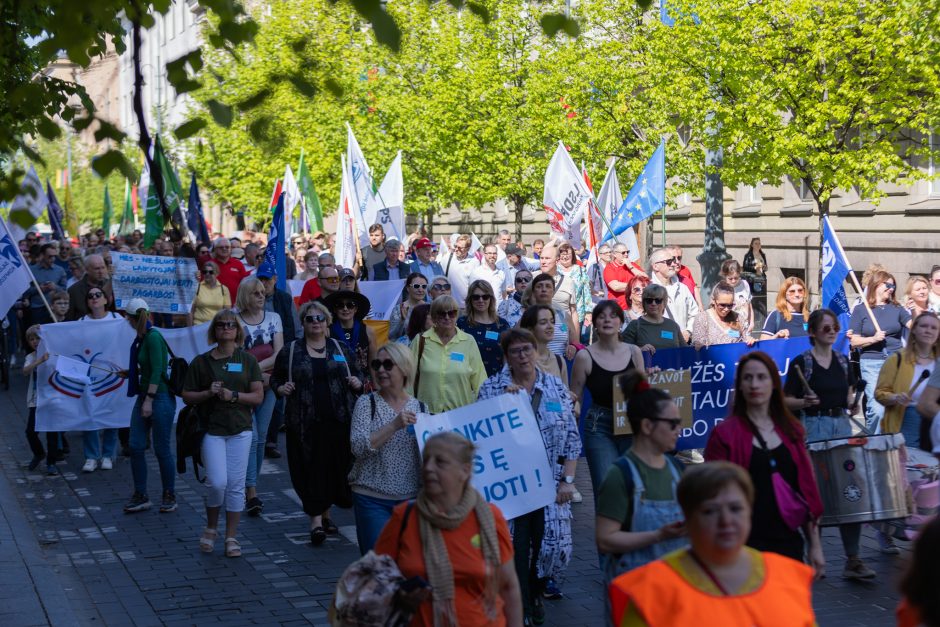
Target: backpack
[
  {"x": 808, "y": 363},
  {"x": 190, "y": 430},
  {"x": 177, "y": 368}
]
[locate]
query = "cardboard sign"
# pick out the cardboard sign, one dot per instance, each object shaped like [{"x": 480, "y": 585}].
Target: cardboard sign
[
  {"x": 168, "y": 284},
  {"x": 675, "y": 382}
]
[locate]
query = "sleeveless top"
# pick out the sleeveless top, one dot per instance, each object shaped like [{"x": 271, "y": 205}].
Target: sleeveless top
[{"x": 601, "y": 383}]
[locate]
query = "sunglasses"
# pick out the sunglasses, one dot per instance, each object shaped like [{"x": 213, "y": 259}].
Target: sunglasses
[
  {"x": 94, "y": 295},
  {"x": 419, "y": 286},
  {"x": 347, "y": 305},
  {"x": 208, "y": 271},
  {"x": 828, "y": 328},
  {"x": 441, "y": 286},
  {"x": 673, "y": 423},
  {"x": 724, "y": 305},
  {"x": 226, "y": 324},
  {"x": 650, "y": 301},
  {"x": 889, "y": 286},
  {"x": 448, "y": 314},
  {"x": 379, "y": 364},
  {"x": 484, "y": 297},
  {"x": 670, "y": 261},
  {"x": 521, "y": 350},
  {"x": 522, "y": 279},
  {"x": 314, "y": 318}
]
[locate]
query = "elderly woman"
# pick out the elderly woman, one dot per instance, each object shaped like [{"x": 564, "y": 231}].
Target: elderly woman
[
  {"x": 264, "y": 337},
  {"x": 416, "y": 293},
  {"x": 875, "y": 343},
  {"x": 762, "y": 436},
  {"x": 440, "y": 286},
  {"x": 454, "y": 540},
  {"x": 385, "y": 472},
  {"x": 511, "y": 308},
  {"x": 211, "y": 296},
  {"x": 98, "y": 309},
  {"x": 154, "y": 410},
  {"x": 917, "y": 295},
  {"x": 541, "y": 291},
  {"x": 719, "y": 324},
  {"x": 224, "y": 384},
  {"x": 320, "y": 380},
  {"x": 483, "y": 325},
  {"x": 542, "y": 538},
  {"x": 653, "y": 330},
  {"x": 789, "y": 319},
  {"x": 540, "y": 321},
  {"x": 718, "y": 579},
  {"x": 448, "y": 368}
]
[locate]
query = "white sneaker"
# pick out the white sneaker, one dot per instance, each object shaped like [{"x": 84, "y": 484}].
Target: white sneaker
[
  {"x": 106, "y": 463},
  {"x": 90, "y": 465}
]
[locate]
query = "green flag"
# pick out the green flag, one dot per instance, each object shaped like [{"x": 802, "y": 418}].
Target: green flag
[
  {"x": 158, "y": 213},
  {"x": 127, "y": 217},
  {"x": 106, "y": 218},
  {"x": 308, "y": 193}
]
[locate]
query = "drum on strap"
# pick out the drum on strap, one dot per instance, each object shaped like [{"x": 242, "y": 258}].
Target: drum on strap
[{"x": 860, "y": 479}]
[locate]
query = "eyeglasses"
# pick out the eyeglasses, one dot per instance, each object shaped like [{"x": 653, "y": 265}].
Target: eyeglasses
[
  {"x": 378, "y": 364},
  {"x": 724, "y": 305},
  {"x": 637, "y": 290},
  {"x": 651, "y": 301},
  {"x": 207, "y": 271},
  {"x": 521, "y": 351},
  {"x": 314, "y": 318},
  {"x": 448, "y": 314},
  {"x": 619, "y": 252},
  {"x": 889, "y": 286},
  {"x": 419, "y": 286},
  {"x": 673, "y": 423},
  {"x": 331, "y": 279},
  {"x": 348, "y": 304},
  {"x": 226, "y": 324},
  {"x": 484, "y": 297},
  {"x": 441, "y": 286},
  {"x": 828, "y": 328},
  {"x": 94, "y": 295}
]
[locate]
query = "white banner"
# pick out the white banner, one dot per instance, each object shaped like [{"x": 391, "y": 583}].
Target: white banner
[
  {"x": 27, "y": 206},
  {"x": 295, "y": 287},
  {"x": 168, "y": 284},
  {"x": 510, "y": 468},
  {"x": 566, "y": 197},
  {"x": 383, "y": 296},
  {"x": 15, "y": 277},
  {"x": 390, "y": 203}
]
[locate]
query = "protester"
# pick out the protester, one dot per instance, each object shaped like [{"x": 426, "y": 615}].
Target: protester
[
  {"x": 448, "y": 366},
  {"x": 618, "y": 274},
  {"x": 511, "y": 308},
  {"x": 488, "y": 271},
  {"x": 731, "y": 274},
  {"x": 875, "y": 343},
  {"x": 231, "y": 270},
  {"x": 934, "y": 297},
  {"x": 540, "y": 321},
  {"x": 596, "y": 368},
  {"x": 458, "y": 266},
  {"x": 311, "y": 266},
  {"x": 375, "y": 252},
  {"x": 432, "y": 539},
  {"x": 515, "y": 262},
  {"x": 917, "y": 295},
  {"x": 279, "y": 301},
  {"x": 423, "y": 262},
  {"x": 718, "y": 580},
  {"x": 652, "y": 331},
  {"x": 638, "y": 518},
  {"x": 680, "y": 305},
  {"x": 483, "y": 325},
  {"x": 416, "y": 293},
  {"x": 211, "y": 295},
  {"x": 541, "y": 292},
  {"x": 76, "y": 270},
  {"x": 440, "y": 286},
  {"x": 635, "y": 297},
  {"x": 418, "y": 322},
  {"x": 719, "y": 324},
  {"x": 578, "y": 277},
  {"x": 760, "y": 415},
  {"x": 391, "y": 268},
  {"x": 755, "y": 261},
  {"x": 49, "y": 277},
  {"x": 264, "y": 337},
  {"x": 348, "y": 310},
  {"x": 382, "y": 438},
  {"x": 60, "y": 305},
  {"x": 154, "y": 410},
  {"x": 920, "y": 604},
  {"x": 223, "y": 385},
  {"x": 595, "y": 272},
  {"x": 320, "y": 380},
  {"x": 563, "y": 295},
  {"x": 30, "y": 364},
  {"x": 789, "y": 318},
  {"x": 542, "y": 542}
]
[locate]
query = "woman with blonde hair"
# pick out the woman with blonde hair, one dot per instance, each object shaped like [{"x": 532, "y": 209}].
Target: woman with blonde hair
[
  {"x": 211, "y": 295},
  {"x": 791, "y": 316},
  {"x": 917, "y": 295},
  {"x": 483, "y": 325}
]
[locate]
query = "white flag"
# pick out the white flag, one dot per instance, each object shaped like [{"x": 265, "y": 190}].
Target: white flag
[
  {"x": 27, "y": 206},
  {"x": 390, "y": 203},
  {"x": 291, "y": 198},
  {"x": 383, "y": 296},
  {"x": 566, "y": 197},
  {"x": 444, "y": 250},
  {"x": 609, "y": 200},
  {"x": 14, "y": 275},
  {"x": 361, "y": 186},
  {"x": 345, "y": 223}
]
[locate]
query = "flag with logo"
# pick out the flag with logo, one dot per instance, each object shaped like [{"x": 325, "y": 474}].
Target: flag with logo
[
  {"x": 54, "y": 211},
  {"x": 108, "y": 210},
  {"x": 194, "y": 218},
  {"x": 608, "y": 201},
  {"x": 27, "y": 206},
  {"x": 362, "y": 187},
  {"x": 346, "y": 232},
  {"x": 835, "y": 268},
  {"x": 391, "y": 202},
  {"x": 566, "y": 197},
  {"x": 291, "y": 198},
  {"x": 14, "y": 275},
  {"x": 168, "y": 207},
  {"x": 646, "y": 197},
  {"x": 275, "y": 253},
  {"x": 311, "y": 213}
]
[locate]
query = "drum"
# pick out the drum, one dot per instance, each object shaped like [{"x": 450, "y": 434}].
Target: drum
[
  {"x": 861, "y": 479},
  {"x": 923, "y": 472}
]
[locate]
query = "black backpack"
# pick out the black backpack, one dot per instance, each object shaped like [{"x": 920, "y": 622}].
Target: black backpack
[
  {"x": 190, "y": 429},
  {"x": 177, "y": 368}
]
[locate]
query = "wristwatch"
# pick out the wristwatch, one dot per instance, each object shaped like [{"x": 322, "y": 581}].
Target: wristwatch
[
  {"x": 234, "y": 398},
  {"x": 569, "y": 479}
]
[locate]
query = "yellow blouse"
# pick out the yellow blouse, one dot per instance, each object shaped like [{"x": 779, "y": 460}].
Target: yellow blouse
[{"x": 209, "y": 301}]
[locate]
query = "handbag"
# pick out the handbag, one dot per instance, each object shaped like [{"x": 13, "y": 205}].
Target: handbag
[{"x": 793, "y": 507}]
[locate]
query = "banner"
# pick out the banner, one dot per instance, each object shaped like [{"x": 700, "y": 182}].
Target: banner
[
  {"x": 275, "y": 253},
  {"x": 835, "y": 269},
  {"x": 55, "y": 213},
  {"x": 675, "y": 383},
  {"x": 311, "y": 214},
  {"x": 362, "y": 187},
  {"x": 566, "y": 197},
  {"x": 390, "y": 208},
  {"x": 14, "y": 275},
  {"x": 345, "y": 247},
  {"x": 168, "y": 284},
  {"x": 609, "y": 200},
  {"x": 383, "y": 296},
  {"x": 510, "y": 468},
  {"x": 27, "y": 206}
]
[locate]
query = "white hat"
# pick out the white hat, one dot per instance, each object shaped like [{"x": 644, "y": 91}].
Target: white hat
[{"x": 135, "y": 305}]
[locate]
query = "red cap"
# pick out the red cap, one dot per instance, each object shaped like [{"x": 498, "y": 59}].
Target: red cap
[{"x": 422, "y": 243}]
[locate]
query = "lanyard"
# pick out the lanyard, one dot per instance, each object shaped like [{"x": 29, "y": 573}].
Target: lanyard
[{"x": 708, "y": 572}]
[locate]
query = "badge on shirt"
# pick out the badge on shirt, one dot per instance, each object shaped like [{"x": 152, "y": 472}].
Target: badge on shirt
[
  {"x": 733, "y": 333},
  {"x": 492, "y": 335},
  {"x": 233, "y": 367},
  {"x": 456, "y": 356},
  {"x": 666, "y": 335},
  {"x": 806, "y": 326},
  {"x": 553, "y": 406},
  {"x": 339, "y": 357},
  {"x": 564, "y": 328}
]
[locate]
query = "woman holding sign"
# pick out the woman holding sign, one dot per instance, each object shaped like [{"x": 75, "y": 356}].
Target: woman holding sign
[
  {"x": 720, "y": 323},
  {"x": 542, "y": 538}
]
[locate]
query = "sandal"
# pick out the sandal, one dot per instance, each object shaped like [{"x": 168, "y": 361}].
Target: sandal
[
  {"x": 207, "y": 541},
  {"x": 232, "y": 548},
  {"x": 317, "y": 536},
  {"x": 329, "y": 526}
]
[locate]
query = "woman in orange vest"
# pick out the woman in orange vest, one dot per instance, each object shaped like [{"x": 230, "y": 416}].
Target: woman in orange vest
[{"x": 718, "y": 576}]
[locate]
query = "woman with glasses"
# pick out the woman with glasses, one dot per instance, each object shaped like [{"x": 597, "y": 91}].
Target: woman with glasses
[
  {"x": 635, "y": 298},
  {"x": 416, "y": 293},
  {"x": 224, "y": 384},
  {"x": 542, "y": 538},
  {"x": 319, "y": 377},
  {"x": 876, "y": 343},
  {"x": 917, "y": 295},
  {"x": 731, "y": 274},
  {"x": 510, "y": 309},
  {"x": 211, "y": 296},
  {"x": 719, "y": 324},
  {"x": 440, "y": 286},
  {"x": 387, "y": 466},
  {"x": 349, "y": 309},
  {"x": 540, "y": 321},
  {"x": 789, "y": 318},
  {"x": 483, "y": 325},
  {"x": 541, "y": 291},
  {"x": 653, "y": 331},
  {"x": 448, "y": 366},
  {"x": 934, "y": 296},
  {"x": 638, "y": 518}
]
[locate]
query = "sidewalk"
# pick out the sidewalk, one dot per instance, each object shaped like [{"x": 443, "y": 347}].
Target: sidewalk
[{"x": 72, "y": 557}]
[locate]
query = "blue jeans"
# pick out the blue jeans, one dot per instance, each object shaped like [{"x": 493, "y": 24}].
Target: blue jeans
[
  {"x": 601, "y": 446},
  {"x": 92, "y": 443},
  {"x": 161, "y": 422},
  {"x": 259, "y": 433},
  {"x": 910, "y": 427},
  {"x": 874, "y": 411},
  {"x": 371, "y": 515}
]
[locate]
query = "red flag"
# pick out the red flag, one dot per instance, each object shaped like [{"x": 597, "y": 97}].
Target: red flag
[{"x": 275, "y": 195}]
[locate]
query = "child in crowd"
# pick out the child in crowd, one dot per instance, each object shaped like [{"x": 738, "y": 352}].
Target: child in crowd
[
  {"x": 60, "y": 304},
  {"x": 52, "y": 438}
]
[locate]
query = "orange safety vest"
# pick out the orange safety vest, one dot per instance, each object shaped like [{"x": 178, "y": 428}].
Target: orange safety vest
[{"x": 663, "y": 597}]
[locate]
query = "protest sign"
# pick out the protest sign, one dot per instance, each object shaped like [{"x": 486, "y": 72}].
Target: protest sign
[
  {"x": 510, "y": 468},
  {"x": 676, "y": 383},
  {"x": 168, "y": 284},
  {"x": 383, "y": 296}
]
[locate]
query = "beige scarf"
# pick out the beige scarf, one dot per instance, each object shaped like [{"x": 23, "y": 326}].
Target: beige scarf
[{"x": 437, "y": 562}]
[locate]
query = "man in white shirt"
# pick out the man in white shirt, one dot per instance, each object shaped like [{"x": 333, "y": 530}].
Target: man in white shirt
[
  {"x": 487, "y": 271},
  {"x": 681, "y": 306},
  {"x": 458, "y": 266}
]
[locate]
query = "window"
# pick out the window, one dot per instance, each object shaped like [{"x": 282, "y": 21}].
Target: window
[
  {"x": 754, "y": 194},
  {"x": 802, "y": 191},
  {"x": 799, "y": 273}
]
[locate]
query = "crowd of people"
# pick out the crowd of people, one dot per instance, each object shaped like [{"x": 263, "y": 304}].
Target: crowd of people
[{"x": 681, "y": 534}]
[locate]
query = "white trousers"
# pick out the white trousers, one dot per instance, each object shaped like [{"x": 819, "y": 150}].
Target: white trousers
[{"x": 226, "y": 462}]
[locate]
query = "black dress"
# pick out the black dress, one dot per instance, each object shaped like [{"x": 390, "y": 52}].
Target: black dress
[{"x": 768, "y": 530}]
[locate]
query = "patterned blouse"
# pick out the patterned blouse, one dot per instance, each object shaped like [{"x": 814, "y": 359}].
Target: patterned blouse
[
  {"x": 582, "y": 292},
  {"x": 487, "y": 339}
]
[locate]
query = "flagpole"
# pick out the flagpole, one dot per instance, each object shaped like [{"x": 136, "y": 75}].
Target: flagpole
[
  {"x": 858, "y": 287},
  {"x": 32, "y": 276}
]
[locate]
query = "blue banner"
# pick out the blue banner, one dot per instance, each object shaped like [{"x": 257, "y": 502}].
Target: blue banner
[
  {"x": 55, "y": 213},
  {"x": 275, "y": 251},
  {"x": 194, "y": 218}
]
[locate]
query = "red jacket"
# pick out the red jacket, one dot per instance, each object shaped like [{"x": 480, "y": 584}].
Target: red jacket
[{"x": 732, "y": 440}]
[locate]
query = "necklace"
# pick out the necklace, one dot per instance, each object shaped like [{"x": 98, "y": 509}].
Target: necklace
[
  {"x": 927, "y": 356},
  {"x": 315, "y": 349}
]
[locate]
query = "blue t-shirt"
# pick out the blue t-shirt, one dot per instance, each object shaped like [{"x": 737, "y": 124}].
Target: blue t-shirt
[
  {"x": 487, "y": 339},
  {"x": 796, "y": 324},
  {"x": 891, "y": 318}
]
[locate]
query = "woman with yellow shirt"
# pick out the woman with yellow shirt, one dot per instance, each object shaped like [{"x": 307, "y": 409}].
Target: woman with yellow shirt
[{"x": 211, "y": 296}]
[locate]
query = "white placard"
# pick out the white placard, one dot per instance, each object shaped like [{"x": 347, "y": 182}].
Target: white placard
[
  {"x": 383, "y": 296},
  {"x": 168, "y": 284}
]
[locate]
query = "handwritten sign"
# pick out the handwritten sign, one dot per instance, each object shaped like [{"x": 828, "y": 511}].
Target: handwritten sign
[
  {"x": 168, "y": 284},
  {"x": 675, "y": 382}
]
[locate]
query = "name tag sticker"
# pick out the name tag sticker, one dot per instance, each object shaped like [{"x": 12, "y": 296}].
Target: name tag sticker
[
  {"x": 339, "y": 357},
  {"x": 233, "y": 367},
  {"x": 666, "y": 335},
  {"x": 553, "y": 406},
  {"x": 456, "y": 356},
  {"x": 564, "y": 328},
  {"x": 492, "y": 335},
  {"x": 734, "y": 333},
  {"x": 806, "y": 326}
]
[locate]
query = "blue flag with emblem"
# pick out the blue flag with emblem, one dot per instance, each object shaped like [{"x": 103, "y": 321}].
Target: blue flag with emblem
[
  {"x": 194, "y": 218},
  {"x": 646, "y": 197},
  {"x": 275, "y": 251},
  {"x": 835, "y": 268},
  {"x": 55, "y": 213}
]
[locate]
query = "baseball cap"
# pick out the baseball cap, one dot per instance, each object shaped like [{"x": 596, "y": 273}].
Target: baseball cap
[
  {"x": 345, "y": 273},
  {"x": 135, "y": 305},
  {"x": 265, "y": 271},
  {"x": 512, "y": 249},
  {"x": 422, "y": 243}
]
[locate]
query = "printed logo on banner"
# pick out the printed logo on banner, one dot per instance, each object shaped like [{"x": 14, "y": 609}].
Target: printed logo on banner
[
  {"x": 103, "y": 375},
  {"x": 8, "y": 251}
]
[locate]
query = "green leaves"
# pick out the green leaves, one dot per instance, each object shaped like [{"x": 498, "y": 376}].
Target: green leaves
[
  {"x": 553, "y": 23},
  {"x": 112, "y": 160},
  {"x": 189, "y": 128}
]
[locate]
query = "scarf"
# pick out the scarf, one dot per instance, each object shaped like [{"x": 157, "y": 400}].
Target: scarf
[
  {"x": 337, "y": 331},
  {"x": 437, "y": 562},
  {"x": 133, "y": 368}
]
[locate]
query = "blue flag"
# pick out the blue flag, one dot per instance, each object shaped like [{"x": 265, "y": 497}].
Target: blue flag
[
  {"x": 194, "y": 218},
  {"x": 646, "y": 197},
  {"x": 835, "y": 267},
  {"x": 275, "y": 253},
  {"x": 54, "y": 210}
]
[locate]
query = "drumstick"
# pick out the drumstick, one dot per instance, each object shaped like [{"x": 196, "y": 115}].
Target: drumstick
[
  {"x": 799, "y": 373},
  {"x": 925, "y": 374}
]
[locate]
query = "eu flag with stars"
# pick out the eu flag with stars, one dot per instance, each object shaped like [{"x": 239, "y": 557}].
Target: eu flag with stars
[{"x": 646, "y": 197}]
